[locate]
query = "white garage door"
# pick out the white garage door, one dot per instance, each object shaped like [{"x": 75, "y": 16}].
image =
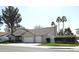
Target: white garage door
[
  {"x": 28, "y": 39},
  {"x": 38, "y": 39}
]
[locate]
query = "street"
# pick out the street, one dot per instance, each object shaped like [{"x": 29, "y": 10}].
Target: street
[{"x": 32, "y": 49}]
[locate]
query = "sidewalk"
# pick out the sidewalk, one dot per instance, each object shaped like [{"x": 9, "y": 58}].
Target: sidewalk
[{"x": 35, "y": 45}]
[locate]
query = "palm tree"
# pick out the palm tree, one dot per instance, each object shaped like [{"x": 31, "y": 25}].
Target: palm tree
[
  {"x": 58, "y": 21},
  {"x": 11, "y": 17},
  {"x": 68, "y": 31},
  {"x": 63, "y": 20},
  {"x": 52, "y": 24}
]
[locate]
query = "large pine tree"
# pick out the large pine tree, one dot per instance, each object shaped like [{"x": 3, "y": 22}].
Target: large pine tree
[{"x": 11, "y": 16}]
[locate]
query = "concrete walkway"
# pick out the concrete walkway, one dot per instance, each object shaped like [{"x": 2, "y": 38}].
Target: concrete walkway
[{"x": 35, "y": 45}]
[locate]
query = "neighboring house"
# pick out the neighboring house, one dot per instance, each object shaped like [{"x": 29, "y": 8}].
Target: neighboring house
[
  {"x": 36, "y": 35},
  {"x": 77, "y": 32},
  {"x": 3, "y": 36},
  {"x": 3, "y": 33}
]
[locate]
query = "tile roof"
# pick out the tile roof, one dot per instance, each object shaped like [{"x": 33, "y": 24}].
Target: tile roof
[
  {"x": 3, "y": 33},
  {"x": 42, "y": 31},
  {"x": 31, "y": 32},
  {"x": 21, "y": 32}
]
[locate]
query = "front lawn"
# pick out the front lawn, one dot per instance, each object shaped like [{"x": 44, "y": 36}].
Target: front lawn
[{"x": 56, "y": 44}]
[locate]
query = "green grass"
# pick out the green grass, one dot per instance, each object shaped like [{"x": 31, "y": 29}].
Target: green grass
[{"x": 56, "y": 44}]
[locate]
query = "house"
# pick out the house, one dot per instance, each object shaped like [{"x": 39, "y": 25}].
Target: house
[
  {"x": 77, "y": 32},
  {"x": 3, "y": 33},
  {"x": 37, "y": 35},
  {"x": 3, "y": 36}
]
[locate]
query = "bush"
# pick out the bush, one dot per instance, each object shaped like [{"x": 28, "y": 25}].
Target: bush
[
  {"x": 11, "y": 41},
  {"x": 7, "y": 41},
  {"x": 66, "y": 40}
]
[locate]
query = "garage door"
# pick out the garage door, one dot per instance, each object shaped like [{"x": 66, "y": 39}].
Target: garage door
[
  {"x": 28, "y": 39},
  {"x": 38, "y": 39}
]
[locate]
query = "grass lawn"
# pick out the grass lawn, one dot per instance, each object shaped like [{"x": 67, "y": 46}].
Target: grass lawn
[{"x": 56, "y": 44}]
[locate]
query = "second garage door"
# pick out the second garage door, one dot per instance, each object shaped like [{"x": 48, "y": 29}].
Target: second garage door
[
  {"x": 28, "y": 39},
  {"x": 38, "y": 39}
]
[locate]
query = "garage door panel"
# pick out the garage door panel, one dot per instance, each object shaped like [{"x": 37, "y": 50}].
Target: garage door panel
[
  {"x": 38, "y": 39},
  {"x": 28, "y": 39}
]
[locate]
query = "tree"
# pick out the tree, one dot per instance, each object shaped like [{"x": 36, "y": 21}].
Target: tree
[
  {"x": 58, "y": 21},
  {"x": 61, "y": 32},
  {"x": 7, "y": 29},
  {"x": 11, "y": 16},
  {"x": 63, "y": 20},
  {"x": 68, "y": 31},
  {"x": 52, "y": 24}
]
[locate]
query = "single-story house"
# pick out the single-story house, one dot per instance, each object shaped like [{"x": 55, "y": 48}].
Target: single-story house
[
  {"x": 36, "y": 35},
  {"x": 3, "y": 36},
  {"x": 3, "y": 33},
  {"x": 77, "y": 32}
]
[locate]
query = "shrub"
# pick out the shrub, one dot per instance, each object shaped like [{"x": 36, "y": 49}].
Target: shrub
[
  {"x": 67, "y": 40},
  {"x": 7, "y": 41}
]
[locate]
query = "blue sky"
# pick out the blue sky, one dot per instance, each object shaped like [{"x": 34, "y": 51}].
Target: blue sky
[{"x": 43, "y": 16}]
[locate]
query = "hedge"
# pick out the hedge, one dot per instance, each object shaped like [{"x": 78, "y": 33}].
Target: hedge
[{"x": 67, "y": 40}]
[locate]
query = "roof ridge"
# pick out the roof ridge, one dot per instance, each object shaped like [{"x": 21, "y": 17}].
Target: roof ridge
[{"x": 41, "y": 28}]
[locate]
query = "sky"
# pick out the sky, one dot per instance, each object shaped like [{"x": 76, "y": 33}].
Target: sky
[{"x": 35, "y": 15}]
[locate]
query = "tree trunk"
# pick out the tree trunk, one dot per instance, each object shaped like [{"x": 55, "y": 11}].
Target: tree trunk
[
  {"x": 58, "y": 27},
  {"x": 12, "y": 36},
  {"x": 11, "y": 30},
  {"x": 63, "y": 28}
]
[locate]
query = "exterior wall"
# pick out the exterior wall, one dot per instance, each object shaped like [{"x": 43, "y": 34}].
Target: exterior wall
[
  {"x": 77, "y": 38},
  {"x": 44, "y": 39},
  {"x": 28, "y": 39},
  {"x": 52, "y": 39},
  {"x": 48, "y": 36},
  {"x": 77, "y": 33}
]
